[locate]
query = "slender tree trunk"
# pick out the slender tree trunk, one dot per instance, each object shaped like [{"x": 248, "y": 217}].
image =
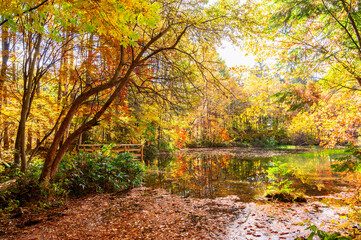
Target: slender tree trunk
[
  {"x": 6, "y": 136},
  {"x": 4, "y": 66},
  {"x": 29, "y": 145},
  {"x": 6, "y": 123},
  {"x": 26, "y": 106}
]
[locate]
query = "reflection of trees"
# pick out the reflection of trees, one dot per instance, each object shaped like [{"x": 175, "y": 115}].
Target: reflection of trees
[
  {"x": 213, "y": 175},
  {"x": 222, "y": 175},
  {"x": 195, "y": 175},
  {"x": 312, "y": 173},
  {"x": 251, "y": 170}
]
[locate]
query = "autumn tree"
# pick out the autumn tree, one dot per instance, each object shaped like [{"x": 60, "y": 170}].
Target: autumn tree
[
  {"x": 321, "y": 34},
  {"x": 181, "y": 24}
]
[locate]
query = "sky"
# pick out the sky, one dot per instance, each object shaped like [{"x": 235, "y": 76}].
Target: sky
[{"x": 234, "y": 56}]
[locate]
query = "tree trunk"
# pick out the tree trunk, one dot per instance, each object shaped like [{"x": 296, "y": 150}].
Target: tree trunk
[
  {"x": 3, "y": 70},
  {"x": 26, "y": 106},
  {"x": 29, "y": 145},
  {"x": 6, "y": 123},
  {"x": 53, "y": 158},
  {"x": 54, "y": 155},
  {"x": 4, "y": 65},
  {"x": 6, "y": 136}
]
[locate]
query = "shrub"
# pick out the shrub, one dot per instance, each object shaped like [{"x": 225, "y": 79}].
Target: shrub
[
  {"x": 268, "y": 141},
  {"x": 325, "y": 235},
  {"x": 280, "y": 188},
  {"x": 77, "y": 175},
  {"x": 25, "y": 191},
  {"x": 101, "y": 172},
  {"x": 277, "y": 176}
]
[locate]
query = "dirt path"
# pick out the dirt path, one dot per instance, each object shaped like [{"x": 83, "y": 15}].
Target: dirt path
[{"x": 146, "y": 213}]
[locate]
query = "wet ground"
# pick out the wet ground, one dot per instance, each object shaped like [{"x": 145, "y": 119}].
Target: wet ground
[{"x": 284, "y": 220}]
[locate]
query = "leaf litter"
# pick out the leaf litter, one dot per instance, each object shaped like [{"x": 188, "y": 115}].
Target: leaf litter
[{"x": 145, "y": 213}]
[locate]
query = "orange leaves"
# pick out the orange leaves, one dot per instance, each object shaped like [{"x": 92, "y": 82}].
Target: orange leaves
[
  {"x": 223, "y": 135},
  {"x": 180, "y": 137}
]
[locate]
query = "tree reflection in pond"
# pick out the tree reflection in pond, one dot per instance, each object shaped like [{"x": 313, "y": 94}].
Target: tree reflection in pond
[{"x": 210, "y": 176}]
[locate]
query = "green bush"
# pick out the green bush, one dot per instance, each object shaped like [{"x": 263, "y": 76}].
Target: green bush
[
  {"x": 349, "y": 163},
  {"x": 325, "y": 235},
  {"x": 101, "y": 172},
  {"x": 25, "y": 191},
  {"x": 269, "y": 141},
  {"x": 77, "y": 175},
  {"x": 280, "y": 186}
]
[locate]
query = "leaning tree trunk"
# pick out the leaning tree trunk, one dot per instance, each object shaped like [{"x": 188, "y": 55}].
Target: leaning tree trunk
[{"x": 56, "y": 152}]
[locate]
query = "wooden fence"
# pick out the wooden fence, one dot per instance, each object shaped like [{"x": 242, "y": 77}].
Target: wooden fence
[{"x": 135, "y": 149}]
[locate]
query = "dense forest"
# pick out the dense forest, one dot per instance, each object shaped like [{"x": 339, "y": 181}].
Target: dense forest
[{"x": 150, "y": 73}]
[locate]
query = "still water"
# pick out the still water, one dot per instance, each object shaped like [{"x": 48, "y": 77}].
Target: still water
[{"x": 210, "y": 176}]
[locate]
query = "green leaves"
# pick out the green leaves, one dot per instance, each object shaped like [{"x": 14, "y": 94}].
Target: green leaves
[
  {"x": 111, "y": 18},
  {"x": 324, "y": 235},
  {"x": 277, "y": 176},
  {"x": 101, "y": 172},
  {"x": 349, "y": 163}
]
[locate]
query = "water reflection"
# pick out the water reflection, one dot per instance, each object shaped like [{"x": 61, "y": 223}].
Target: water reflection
[{"x": 209, "y": 176}]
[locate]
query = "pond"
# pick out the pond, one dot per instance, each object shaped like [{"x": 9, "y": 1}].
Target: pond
[{"x": 220, "y": 175}]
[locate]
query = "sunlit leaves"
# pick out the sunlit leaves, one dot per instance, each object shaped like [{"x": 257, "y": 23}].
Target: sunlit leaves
[{"x": 110, "y": 17}]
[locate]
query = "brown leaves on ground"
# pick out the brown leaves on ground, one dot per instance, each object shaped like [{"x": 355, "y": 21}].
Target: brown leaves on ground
[
  {"x": 146, "y": 213},
  {"x": 141, "y": 214},
  {"x": 279, "y": 220}
]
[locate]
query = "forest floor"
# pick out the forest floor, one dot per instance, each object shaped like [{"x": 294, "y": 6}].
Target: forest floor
[{"x": 145, "y": 213}]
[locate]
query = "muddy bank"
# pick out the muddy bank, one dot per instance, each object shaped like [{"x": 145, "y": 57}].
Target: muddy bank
[{"x": 146, "y": 213}]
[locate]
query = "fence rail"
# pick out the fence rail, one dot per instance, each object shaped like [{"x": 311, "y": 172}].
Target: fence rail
[{"x": 135, "y": 149}]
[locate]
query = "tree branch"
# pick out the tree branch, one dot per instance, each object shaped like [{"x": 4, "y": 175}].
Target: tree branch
[{"x": 26, "y": 11}]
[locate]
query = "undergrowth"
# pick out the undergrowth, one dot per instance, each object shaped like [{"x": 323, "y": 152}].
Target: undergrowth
[{"x": 77, "y": 175}]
